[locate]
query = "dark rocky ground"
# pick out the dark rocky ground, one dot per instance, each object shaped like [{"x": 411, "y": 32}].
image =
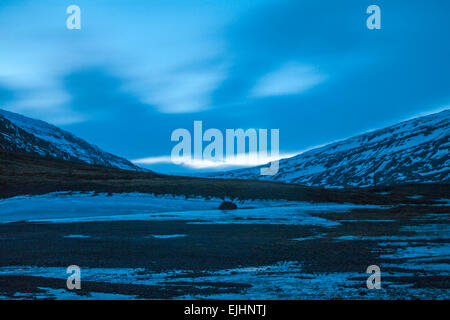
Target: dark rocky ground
[
  {"x": 213, "y": 247},
  {"x": 402, "y": 240},
  {"x": 29, "y": 174}
]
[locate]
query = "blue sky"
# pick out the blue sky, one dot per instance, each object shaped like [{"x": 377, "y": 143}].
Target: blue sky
[{"x": 137, "y": 70}]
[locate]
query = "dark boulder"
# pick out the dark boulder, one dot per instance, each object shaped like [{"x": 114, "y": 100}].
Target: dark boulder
[{"x": 227, "y": 205}]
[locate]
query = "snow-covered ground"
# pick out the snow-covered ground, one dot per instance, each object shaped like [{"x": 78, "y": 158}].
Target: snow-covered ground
[
  {"x": 63, "y": 294},
  {"x": 418, "y": 249},
  {"x": 81, "y": 207},
  {"x": 284, "y": 280}
]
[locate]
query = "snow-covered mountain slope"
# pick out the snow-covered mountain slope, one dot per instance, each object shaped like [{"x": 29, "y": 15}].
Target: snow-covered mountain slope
[
  {"x": 22, "y": 134},
  {"x": 413, "y": 151}
]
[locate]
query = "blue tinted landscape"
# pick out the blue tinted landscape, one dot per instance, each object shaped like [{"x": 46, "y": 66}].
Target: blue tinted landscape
[{"x": 268, "y": 150}]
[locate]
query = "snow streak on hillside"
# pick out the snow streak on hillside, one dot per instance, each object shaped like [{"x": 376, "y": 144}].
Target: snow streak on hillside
[
  {"x": 22, "y": 134},
  {"x": 413, "y": 151}
]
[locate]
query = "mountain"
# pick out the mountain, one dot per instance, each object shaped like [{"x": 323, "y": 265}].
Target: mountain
[
  {"x": 22, "y": 134},
  {"x": 413, "y": 151}
]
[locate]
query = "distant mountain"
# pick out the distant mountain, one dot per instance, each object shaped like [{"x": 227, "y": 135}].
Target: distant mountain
[
  {"x": 413, "y": 151},
  {"x": 22, "y": 134}
]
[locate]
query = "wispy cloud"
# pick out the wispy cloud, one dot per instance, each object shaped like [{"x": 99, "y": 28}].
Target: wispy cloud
[
  {"x": 291, "y": 78},
  {"x": 248, "y": 160},
  {"x": 136, "y": 71},
  {"x": 148, "y": 54},
  {"x": 181, "y": 91}
]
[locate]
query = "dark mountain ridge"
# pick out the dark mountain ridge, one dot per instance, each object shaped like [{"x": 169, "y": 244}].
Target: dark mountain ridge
[
  {"x": 413, "y": 151},
  {"x": 22, "y": 134}
]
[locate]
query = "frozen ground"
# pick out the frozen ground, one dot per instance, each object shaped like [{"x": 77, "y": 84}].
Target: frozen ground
[
  {"x": 83, "y": 207},
  {"x": 135, "y": 246},
  {"x": 284, "y": 280}
]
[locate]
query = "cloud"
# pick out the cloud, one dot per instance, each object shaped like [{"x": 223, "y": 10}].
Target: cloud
[
  {"x": 146, "y": 44},
  {"x": 289, "y": 79},
  {"x": 45, "y": 102},
  {"x": 135, "y": 72},
  {"x": 55, "y": 116},
  {"x": 153, "y": 160},
  {"x": 40, "y": 98},
  {"x": 247, "y": 160},
  {"x": 182, "y": 91}
]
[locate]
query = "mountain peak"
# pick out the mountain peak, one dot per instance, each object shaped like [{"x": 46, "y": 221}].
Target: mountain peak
[
  {"x": 412, "y": 151},
  {"x": 22, "y": 134}
]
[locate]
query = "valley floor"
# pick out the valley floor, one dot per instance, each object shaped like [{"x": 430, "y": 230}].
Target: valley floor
[{"x": 134, "y": 246}]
